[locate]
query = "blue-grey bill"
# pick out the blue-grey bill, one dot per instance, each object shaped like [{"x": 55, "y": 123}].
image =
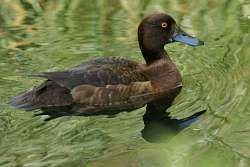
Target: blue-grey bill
[{"x": 186, "y": 39}]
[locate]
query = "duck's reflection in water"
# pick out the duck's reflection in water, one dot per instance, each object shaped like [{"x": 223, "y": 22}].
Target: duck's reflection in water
[{"x": 159, "y": 127}]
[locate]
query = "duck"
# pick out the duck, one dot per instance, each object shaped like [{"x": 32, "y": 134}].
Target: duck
[{"x": 110, "y": 85}]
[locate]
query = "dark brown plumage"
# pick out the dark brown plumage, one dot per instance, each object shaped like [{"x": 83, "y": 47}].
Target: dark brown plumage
[{"x": 111, "y": 85}]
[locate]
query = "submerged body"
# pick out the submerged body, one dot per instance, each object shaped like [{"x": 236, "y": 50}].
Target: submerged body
[{"x": 111, "y": 85}]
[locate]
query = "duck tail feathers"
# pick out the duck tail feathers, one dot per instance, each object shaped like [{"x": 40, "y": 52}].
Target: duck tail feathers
[{"x": 24, "y": 101}]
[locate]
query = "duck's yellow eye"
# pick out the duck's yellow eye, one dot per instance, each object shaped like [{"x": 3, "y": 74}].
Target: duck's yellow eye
[{"x": 164, "y": 25}]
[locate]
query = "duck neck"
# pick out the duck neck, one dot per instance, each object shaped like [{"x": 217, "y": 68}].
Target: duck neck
[{"x": 152, "y": 55}]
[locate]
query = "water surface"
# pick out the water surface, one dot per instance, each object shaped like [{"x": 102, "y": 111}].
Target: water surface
[{"x": 52, "y": 35}]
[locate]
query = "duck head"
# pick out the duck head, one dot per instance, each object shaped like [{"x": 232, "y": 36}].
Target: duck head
[{"x": 157, "y": 30}]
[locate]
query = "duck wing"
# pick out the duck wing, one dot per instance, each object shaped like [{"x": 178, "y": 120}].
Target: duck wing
[
  {"x": 97, "y": 72},
  {"x": 55, "y": 92}
]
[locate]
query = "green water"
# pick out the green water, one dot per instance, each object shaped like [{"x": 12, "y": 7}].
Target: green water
[{"x": 49, "y": 35}]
